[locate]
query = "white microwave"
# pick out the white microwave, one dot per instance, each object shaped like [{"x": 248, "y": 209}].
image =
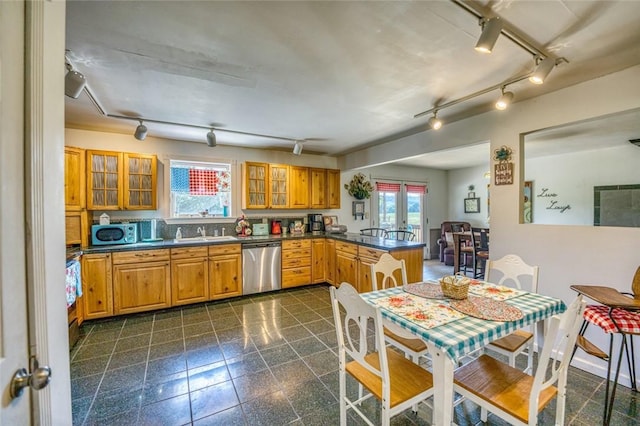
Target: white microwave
[{"x": 115, "y": 233}]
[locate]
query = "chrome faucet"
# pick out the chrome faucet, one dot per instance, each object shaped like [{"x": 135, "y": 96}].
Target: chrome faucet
[{"x": 201, "y": 231}]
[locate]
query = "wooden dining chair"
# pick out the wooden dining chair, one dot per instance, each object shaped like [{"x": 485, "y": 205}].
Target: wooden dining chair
[
  {"x": 401, "y": 235},
  {"x": 397, "y": 382},
  {"x": 514, "y": 395},
  {"x": 389, "y": 268},
  {"x": 374, "y": 232},
  {"x": 512, "y": 271},
  {"x": 480, "y": 251},
  {"x": 617, "y": 314}
]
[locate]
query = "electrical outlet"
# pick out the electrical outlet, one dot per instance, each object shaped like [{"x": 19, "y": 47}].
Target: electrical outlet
[
  {"x": 265, "y": 220},
  {"x": 366, "y": 215}
]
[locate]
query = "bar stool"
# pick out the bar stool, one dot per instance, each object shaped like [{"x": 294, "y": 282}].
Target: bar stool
[{"x": 617, "y": 314}]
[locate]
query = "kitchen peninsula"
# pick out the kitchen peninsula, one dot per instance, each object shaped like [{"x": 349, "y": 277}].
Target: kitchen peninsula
[{"x": 141, "y": 277}]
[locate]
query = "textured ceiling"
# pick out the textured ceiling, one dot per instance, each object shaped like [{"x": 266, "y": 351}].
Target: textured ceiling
[{"x": 341, "y": 75}]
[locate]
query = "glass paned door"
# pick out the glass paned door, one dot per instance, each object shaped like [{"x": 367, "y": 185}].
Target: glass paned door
[{"x": 401, "y": 206}]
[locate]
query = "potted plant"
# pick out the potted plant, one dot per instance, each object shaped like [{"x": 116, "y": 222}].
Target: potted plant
[{"x": 359, "y": 187}]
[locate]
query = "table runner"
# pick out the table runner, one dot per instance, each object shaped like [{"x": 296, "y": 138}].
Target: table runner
[{"x": 427, "y": 313}]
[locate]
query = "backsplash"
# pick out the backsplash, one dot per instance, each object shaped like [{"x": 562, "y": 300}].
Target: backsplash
[{"x": 167, "y": 231}]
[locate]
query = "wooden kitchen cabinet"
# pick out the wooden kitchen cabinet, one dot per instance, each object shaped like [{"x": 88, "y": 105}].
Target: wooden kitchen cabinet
[
  {"x": 319, "y": 191},
  {"x": 225, "y": 271},
  {"x": 121, "y": 181},
  {"x": 367, "y": 256},
  {"x": 141, "y": 281},
  {"x": 189, "y": 275},
  {"x": 140, "y": 175},
  {"x": 104, "y": 180},
  {"x": 77, "y": 228},
  {"x": 255, "y": 186},
  {"x": 318, "y": 261},
  {"x": 278, "y": 186},
  {"x": 346, "y": 264},
  {"x": 97, "y": 299},
  {"x": 300, "y": 185},
  {"x": 333, "y": 189},
  {"x": 296, "y": 263},
  {"x": 75, "y": 191},
  {"x": 330, "y": 261}
]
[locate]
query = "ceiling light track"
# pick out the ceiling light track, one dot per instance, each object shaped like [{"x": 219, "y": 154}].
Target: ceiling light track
[
  {"x": 211, "y": 139},
  {"x": 507, "y": 32},
  {"x": 474, "y": 95}
]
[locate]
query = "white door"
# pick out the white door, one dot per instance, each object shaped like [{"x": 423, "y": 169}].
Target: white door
[
  {"x": 13, "y": 281},
  {"x": 32, "y": 251}
]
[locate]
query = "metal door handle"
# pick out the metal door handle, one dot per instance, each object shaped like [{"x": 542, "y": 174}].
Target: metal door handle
[{"x": 37, "y": 379}]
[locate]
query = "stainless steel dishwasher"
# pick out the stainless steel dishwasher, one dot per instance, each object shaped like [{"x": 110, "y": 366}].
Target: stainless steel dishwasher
[{"x": 261, "y": 268}]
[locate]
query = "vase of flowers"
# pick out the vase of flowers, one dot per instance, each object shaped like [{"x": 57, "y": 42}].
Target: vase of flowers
[{"x": 359, "y": 187}]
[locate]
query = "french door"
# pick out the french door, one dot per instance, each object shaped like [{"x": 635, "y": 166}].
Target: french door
[{"x": 400, "y": 205}]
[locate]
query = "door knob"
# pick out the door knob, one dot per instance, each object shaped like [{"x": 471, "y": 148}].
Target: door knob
[{"x": 37, "y": 379}]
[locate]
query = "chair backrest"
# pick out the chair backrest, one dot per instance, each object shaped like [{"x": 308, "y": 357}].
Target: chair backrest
[
  {"x": 386, "y": 266},
  {"x": 401, "y": 235},
  {"x": 553, "y": 361},
  {"x": 374, "y": 232},
  {"x": 635, "y": 285},
  {"x": 351, "y": 331},
  {"x": 480, "y": 238},
  {"x": 513, "y": 270}
]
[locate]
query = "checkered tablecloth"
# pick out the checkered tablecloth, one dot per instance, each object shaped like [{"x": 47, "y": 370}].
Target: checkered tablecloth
[{"x": 467, "y": 334}]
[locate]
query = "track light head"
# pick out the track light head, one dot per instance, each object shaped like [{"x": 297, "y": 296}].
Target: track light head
[
  {"x": 434, "y": 122},
  {"x": 491, "y": 29},
  {"x": 74, "y": 83},
  {"x": 141, "y": 132},
  {"x": 297, "y": 148},
  {"x": 211, "y": 139},
  {"x": 504, "y": 100},
  {"x": 542, "y": 70}
]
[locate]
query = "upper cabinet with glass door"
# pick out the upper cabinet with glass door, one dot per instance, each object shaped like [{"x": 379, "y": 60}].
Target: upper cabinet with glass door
[
  {"x": 121, "y": 181},
  {"x": 140, "y": 181},
  {"x": 255, "y": 186}
]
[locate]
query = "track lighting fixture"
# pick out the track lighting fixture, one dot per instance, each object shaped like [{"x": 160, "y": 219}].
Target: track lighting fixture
[
  {"x": 297, "y": 148},
  {"x": 141, "y": 132},
  {"x": 74, "y": 82},
  {"x": 434, "y": 122},
  {"x": 504, "y": 100},
  {"x": 211, "y": 139},
  {"x": 491, "y": 29},
  {"x": 542, "y": 70}
]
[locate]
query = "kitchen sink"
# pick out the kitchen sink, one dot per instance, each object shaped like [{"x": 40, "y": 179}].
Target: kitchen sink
[{"x": 204, "y": 239}]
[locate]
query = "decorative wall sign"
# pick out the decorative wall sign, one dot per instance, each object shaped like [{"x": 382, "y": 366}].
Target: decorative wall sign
[
  {"x": 553, "y": 203},
  {"x": 472, "y": 205},
  {"x": 503, "y": 171},
  {"x": 358, "y": 209},
  {"x": 503, "y": 174}
]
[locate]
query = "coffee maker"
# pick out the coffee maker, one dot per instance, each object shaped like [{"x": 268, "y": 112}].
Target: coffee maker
[{"x": 316, "y": 223}]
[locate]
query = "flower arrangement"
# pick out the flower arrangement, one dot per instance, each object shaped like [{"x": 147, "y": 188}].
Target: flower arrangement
[{"x": 359, "y": 187}]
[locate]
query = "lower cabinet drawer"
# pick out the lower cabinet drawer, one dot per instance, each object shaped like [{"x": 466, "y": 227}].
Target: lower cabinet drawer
[
  {"x": 296, "y": 262},
  {"x": 296, "y": 277}
]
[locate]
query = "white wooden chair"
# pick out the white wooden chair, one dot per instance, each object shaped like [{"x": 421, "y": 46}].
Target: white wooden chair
[
  {"x": 515, "y": 396},
  {"x": 514, "y": 270},
  {"x": 395, "y": 381},
  {"x": 390, "y": 268}
]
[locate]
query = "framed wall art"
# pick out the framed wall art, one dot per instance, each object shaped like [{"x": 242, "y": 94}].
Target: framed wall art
[{"x": 472, "y": 205}]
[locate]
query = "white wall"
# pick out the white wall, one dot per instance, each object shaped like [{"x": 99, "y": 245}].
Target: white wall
[
  {"x": 566, "y": 254},
  {"x": 571, "y": 177},
  {"x": 458, "y": 188}
]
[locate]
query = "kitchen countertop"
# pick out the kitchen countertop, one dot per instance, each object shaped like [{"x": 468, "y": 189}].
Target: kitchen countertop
[{"x": 375, "y": 242}]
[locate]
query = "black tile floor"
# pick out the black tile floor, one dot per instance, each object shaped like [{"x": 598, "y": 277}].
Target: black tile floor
[{"x": 268, "y": 359}]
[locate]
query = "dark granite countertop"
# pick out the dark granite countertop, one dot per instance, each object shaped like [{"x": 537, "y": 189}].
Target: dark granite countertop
[{"x": 375, "y": 242}]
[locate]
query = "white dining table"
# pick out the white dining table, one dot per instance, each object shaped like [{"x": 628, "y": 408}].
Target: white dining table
[{"x": 452, "y": 340}]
